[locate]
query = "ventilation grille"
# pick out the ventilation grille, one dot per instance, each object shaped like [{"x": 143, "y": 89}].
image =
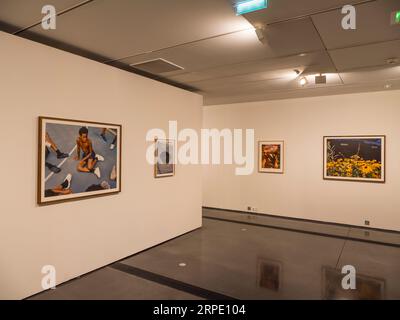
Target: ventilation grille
[{"x": 157, "y": 66}]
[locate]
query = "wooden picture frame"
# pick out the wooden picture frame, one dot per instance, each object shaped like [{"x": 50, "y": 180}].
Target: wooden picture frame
[
  {"x": 271, "y": 157},
  {"x": 61, "y": 176},
  {"x": 163, "y": 165},
  {"x": 359, "y": 158}
]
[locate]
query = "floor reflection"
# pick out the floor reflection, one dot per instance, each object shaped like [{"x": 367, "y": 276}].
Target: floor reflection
[{"x": 367, "y": 288}]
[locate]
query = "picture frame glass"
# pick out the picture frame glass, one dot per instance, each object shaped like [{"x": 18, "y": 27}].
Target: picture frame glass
[
  {"x": 165, "y": 158},
  {"x": 63, "y": 176},
  {"x": 271, "y": 156},
  {"x": 355, "y": 158}
]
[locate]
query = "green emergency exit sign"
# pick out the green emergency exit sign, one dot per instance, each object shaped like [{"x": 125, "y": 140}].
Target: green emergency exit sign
[
  {"x": 250, "y": 6},
  {"x": 396, "y": 17}
]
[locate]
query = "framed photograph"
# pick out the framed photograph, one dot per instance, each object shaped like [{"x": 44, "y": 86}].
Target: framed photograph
[
  {"x": 355, "y": 158},
  {"x": 271, "y": 158},
  {"x": 269, "y": 274},
  {"x": 77, "y": 159},
  {"x": 367, "y": 288},
  {"x": 164, "y": 158}
]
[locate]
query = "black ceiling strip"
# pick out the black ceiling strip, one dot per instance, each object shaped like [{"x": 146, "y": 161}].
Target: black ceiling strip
[
  {"x": 172, "y": 283},
  {"x": 6, "y": 27}
]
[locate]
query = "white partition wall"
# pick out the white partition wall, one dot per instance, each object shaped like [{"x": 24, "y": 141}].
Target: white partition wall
[
  {"x": 78, "y": 237},
  {"x": 301, "y": 191}
]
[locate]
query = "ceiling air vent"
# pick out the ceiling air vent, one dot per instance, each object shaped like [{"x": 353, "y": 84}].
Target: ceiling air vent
[{"x": 156, "y": 66}]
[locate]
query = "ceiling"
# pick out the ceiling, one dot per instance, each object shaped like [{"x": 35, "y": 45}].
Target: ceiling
[{"x": 220, "y": 53}]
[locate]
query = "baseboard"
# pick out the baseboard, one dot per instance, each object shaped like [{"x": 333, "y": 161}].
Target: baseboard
[{"x": 364, "y": 228}]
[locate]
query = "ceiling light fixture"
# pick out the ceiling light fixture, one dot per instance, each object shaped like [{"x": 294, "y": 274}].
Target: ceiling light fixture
[
  {"x": 303, "y": 81},
  {"x": 388, "y": 86},
  {"x": 320, "y": 79}
]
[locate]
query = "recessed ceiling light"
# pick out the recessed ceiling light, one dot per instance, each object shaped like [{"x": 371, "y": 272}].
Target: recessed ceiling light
[
  {"x": 303, "y": 81},
  {"x": 388, "y": 86},
  {"x": 182, "y": 265},
  {"x": 302, "y": 54}
]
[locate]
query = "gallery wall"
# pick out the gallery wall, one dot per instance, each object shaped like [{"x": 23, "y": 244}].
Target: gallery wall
[
  {"x": 301, "y": 191},
  {"x": 78, "y": 237}
]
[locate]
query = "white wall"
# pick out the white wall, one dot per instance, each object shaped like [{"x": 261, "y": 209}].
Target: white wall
[
  {"x": 301, "y": 192},
  {"x": 79, "y": 237}
]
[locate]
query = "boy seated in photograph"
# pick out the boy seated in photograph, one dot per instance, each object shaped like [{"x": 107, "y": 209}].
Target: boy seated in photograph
[{"x": 89, "y": 157}]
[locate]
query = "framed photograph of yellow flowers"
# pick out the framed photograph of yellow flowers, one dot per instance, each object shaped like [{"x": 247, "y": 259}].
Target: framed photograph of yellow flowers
[{"x": 355, "y": 158}]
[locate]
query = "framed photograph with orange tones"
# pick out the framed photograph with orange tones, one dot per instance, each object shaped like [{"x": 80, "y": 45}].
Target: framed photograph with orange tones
[{"x": 271, "y": 157}]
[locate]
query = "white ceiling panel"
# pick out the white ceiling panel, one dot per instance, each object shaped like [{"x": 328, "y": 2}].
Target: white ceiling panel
[
  {"x": 373, "y": 25},
  {"x": 288, "y": 81},
  {"x": 123, "y": 28},
  {"x": 365, "y": 56},
  {"x": 280, "y": 10},
  {"x": 311, "y": 63},
  {"x": 391, "y": 73},
  {"x": 262, "y": 95},
  {"x": 219, "y": 51},
  {"x": 239, "y": 47},
  {"x": 25, "y": 13}
]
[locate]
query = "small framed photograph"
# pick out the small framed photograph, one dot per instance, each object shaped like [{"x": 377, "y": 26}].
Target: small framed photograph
[
  {"x": 271, "y": 156},
  {"x": 355, "y": 158},
  {"x": 77, "y": 159},
  {"x": 164, "y": 158}
]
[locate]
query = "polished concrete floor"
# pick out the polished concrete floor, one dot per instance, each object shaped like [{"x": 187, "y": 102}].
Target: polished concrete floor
[{"x": 239, "y": 256}]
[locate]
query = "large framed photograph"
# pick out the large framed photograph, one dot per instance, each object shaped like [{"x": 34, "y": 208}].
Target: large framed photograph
[
  {"x": 271, "y": 156},
  {"x": 355, "y": 158},
  {"x": 77, "y": 159},
  {"x": 164, "y": 158}
]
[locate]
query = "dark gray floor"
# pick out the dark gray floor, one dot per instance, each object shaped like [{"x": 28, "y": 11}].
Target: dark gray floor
[
  {"x": 245, "y": 261},
  {"x": 111, "y": 284}
]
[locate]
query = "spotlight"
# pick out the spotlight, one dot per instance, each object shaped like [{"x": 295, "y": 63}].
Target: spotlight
[{"x": 303, "y": 81}]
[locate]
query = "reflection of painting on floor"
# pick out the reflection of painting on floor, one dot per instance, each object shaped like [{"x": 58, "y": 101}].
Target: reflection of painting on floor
[
  {"x": 269, "y": 275},
  {"x": 77, "y": 159},
  {"x": 367, "y": 288},
  {"x": 355, "y": 158}
]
